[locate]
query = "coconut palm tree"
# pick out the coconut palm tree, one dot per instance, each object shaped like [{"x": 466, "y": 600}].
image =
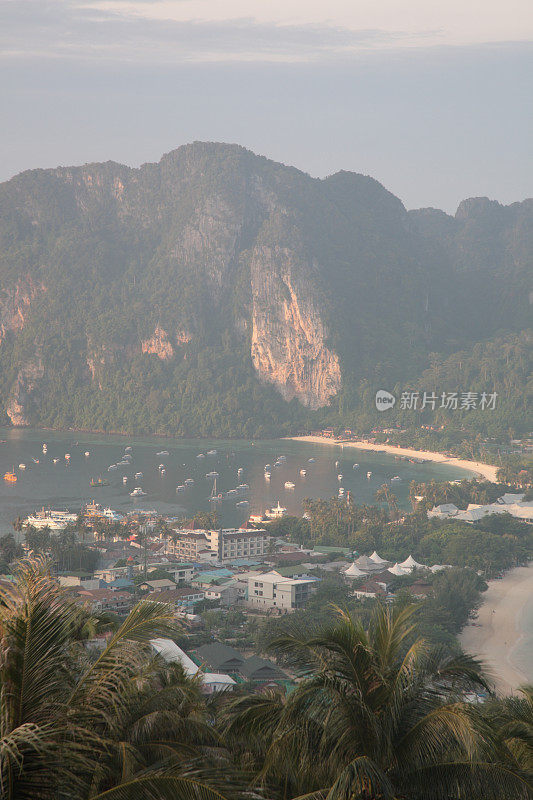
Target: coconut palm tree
[
  {"x": 77, "y": 725},
  {"x": 379, "y": 715},
  {"x": 513, "y": 719}
]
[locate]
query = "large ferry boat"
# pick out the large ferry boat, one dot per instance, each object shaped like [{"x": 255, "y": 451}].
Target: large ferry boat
[{"x": 48, "y": 518}]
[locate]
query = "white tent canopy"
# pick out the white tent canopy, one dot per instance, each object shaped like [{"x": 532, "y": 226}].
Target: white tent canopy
[
  {"x": 365, "y": 563},
  {"x": 353, "y": 571},
  {"x": 411, "y": 564},
  {"x": 397, "y": 569},
  {"x": 377, "y": 559}
]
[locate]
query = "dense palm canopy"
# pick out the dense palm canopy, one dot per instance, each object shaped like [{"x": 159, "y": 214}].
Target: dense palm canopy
[
  {"x": 78, "y": 725},
  {"x": 379, "y": 715}
]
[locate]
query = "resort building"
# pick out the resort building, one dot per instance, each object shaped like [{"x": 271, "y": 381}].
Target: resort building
[
  {"x": 219, "y": 545},
  {"x": 270, "y": 590}
]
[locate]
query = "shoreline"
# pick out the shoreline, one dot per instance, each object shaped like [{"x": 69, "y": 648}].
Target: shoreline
[
  {"x": 486, "y": 471},
  {"x": 498, "y": 630}
]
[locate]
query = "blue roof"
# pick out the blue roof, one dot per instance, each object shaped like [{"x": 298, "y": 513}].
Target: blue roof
[
  {"x": 245, "y": 562},
  {"x": 213, "y": 574},
  {"x": 121, "y": 583}
]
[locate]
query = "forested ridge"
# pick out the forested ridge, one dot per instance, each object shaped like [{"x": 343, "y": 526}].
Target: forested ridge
[{"x": 218, "y": 293}]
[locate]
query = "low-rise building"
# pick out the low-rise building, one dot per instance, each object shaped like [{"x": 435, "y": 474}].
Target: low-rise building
[
  {"x": 106, "y": 600},
  {"x": 158, "y": 585},
  {"x": 271, "y": 591},
  {"x": 84, "y": 580},
  {"x": 181, "y": 599},
  {"x": 227, "y": 594}
]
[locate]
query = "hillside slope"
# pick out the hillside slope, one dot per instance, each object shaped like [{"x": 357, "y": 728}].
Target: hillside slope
[{"x": 220, "y": 293}]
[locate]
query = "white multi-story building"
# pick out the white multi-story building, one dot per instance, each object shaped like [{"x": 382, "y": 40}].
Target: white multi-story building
[
  {"x": 223, "y": 545},
  {"x": 270, "y": 590}
]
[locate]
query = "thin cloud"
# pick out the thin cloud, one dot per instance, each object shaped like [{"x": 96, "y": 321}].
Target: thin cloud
[{"x": 71, "y": 29}]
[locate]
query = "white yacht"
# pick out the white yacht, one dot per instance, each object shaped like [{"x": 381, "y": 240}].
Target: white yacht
[
  {"x": 162, "y": 453},
  {"x": 289, "y": 485},
  {"x": 310, "y": 460},
  {"x": 355, "y": 466},
  {"x": 180, "y": 488},
  {"x": 55, "y": 460},
  {"x": 242, "y": 503},
  {"x": 200, "y": 455},
  {"x": 86, "y": 454},
  {"x": 268, "y": 475},
  {"x": 45, "y": 448},
  {"x": 396, "y": 478},
  {"x": 340, "y": 476},
  {"x": 303, "y": 473},
  {"x": 276, "y": 512},
  {"x": 137, "y": 492},
  {"x": 211, "y": 452},
  {"x": 369, "y": 474},
  {"x": 189, "y": 481},
  {"x": 212, "y": 474},
  {"x": 124, "y": 480},
  {"x": 128, "y": 449},
  {"x": 22, "y": 466},
  {"x": 242, "y": 487},
  {"x": 111, "y": 467},
  {"x": 139, "y": 475}
]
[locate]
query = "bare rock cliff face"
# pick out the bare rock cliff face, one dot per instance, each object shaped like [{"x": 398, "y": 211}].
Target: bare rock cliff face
[
  {"x": 25, "y": 384},
  {"x": 288, "y": 335},
  {"x": 15, "y": 303},
  {"x": 159, "y": 344}
]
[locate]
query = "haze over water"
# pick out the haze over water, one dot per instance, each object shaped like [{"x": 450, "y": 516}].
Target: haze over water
[{"x": 68, "y": 485}]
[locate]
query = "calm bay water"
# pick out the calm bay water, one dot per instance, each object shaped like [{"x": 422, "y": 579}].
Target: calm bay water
[{"x": 65, "y": 485}]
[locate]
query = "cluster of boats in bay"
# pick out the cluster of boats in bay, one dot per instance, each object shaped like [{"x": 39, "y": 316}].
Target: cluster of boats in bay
[
  {"x": 302, "y": 472},
  {"x": 288, "y": 477}
]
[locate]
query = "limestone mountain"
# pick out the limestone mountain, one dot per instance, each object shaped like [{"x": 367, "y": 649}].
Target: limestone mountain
[{"x": 220, "y": 293}]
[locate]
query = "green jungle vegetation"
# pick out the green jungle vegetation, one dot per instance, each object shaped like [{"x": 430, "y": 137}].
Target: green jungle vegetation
[
  {"x": 491, "y": 545},
  {"x": 378, "y": 713},
  {"x": 413, "y": 300}
]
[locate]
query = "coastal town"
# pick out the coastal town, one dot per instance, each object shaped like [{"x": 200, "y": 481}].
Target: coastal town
[{"x": 196, "y": 568}]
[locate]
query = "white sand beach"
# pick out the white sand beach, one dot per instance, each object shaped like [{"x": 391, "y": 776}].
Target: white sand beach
[
  {"x": 487, "y": 471},
  {"x": 496, "y": 632}
]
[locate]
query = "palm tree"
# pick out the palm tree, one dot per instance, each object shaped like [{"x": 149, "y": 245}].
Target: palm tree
[
  {"x": 78, "y": 725},
  {"x": 379, "y": 715},
  {"x": 384, "y": 494},
  {"x": 513, "y": 718}
]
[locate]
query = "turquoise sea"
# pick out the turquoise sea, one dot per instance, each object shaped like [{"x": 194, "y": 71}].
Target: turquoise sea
[{"x": 67, "y": 485}]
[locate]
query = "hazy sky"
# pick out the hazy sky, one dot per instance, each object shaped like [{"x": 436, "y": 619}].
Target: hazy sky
[{"x": 435, "y": 99}]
